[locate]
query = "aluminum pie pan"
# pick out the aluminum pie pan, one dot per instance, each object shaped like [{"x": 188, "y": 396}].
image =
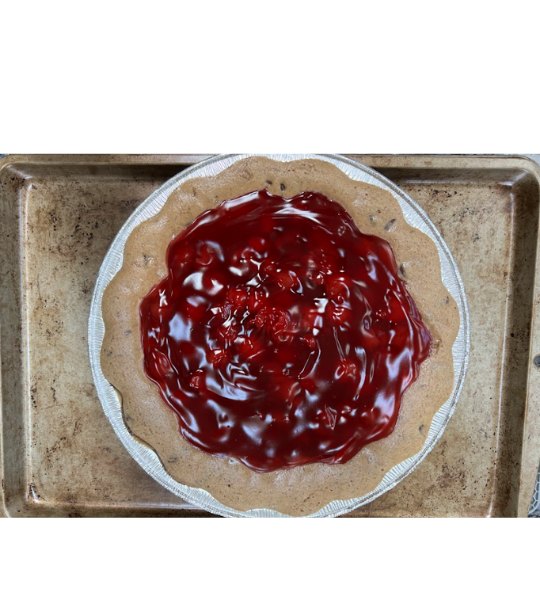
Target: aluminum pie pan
[{"x": 148, "y": 459}]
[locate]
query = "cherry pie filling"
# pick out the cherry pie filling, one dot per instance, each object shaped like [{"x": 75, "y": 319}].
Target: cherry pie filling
[{"x": 282, "y": 335}]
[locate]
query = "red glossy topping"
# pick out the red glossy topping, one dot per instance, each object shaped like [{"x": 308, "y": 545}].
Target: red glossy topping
[{"x": 282, "y": 335}]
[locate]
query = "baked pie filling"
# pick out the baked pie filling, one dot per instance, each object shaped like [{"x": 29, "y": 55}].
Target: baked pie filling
[{"x": 282, "y": 335}]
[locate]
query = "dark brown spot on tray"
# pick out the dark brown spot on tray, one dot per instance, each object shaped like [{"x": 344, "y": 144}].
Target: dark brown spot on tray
[
  {"x": 450, "y": 476},
  {"x": 282, "y": 187},
  {"x": 128, "y": 203},
  {"x": 402, "y": 270},
  {"x": 54, "y": 220},
  {"x": 33, "y": 392},
  {"x": 77, "y": 428}
]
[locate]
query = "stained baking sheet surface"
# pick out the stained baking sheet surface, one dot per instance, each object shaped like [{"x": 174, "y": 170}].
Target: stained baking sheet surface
[{"x": 60, "y": 455}]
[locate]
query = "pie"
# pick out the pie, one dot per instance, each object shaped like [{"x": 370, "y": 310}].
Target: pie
[{"x": 279, "y": 335}]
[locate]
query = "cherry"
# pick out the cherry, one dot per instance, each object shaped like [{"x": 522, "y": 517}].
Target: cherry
[
  {"x": 273, "y": 318},
  {"x": 238, "y": 297},
  {"x": 256, "y": 300},
  {"x": 197, "y": 379},
  {"x": 338, "y": 288},
  {"x": 219, "y": 357},
  {"x": 206, "y": 254},
  {"x": 310, "y": 341}
]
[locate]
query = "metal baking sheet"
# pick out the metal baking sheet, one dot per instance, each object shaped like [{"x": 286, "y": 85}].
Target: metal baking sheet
[{"x": 62, "y": 458}]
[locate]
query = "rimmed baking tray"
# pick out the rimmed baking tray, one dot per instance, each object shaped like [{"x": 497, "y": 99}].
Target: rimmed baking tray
[{"x": 60, "y": 455}]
